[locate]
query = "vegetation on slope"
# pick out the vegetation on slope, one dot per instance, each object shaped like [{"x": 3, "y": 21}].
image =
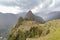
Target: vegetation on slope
[
  {"x": 30, "y": 29},
  {"x": 54, "y": 34},
  {"x": 25, "y": 29}
]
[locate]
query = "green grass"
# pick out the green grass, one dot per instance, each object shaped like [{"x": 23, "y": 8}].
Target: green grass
[{"x": 54, "y": 36}]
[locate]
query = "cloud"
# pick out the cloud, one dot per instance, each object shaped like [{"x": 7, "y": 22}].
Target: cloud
[
  {"x": 6, "y": 9},
  {"x": 24, "y": 4},
  {"x": 34, "y": 5},
  {"x": 52, "y": 3},
  {"x": 42, "y": 6},
  {"x": 47, "y": 6},
  {"x": 8, "y": 2}
]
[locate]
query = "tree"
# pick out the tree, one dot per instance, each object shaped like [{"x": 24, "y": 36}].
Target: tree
[{"x": 33, "y": 32}]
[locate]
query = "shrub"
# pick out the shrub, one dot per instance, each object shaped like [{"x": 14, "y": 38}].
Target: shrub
[
  {"x": 33, "y": 32},
  {"x": 20, "y": 20}
]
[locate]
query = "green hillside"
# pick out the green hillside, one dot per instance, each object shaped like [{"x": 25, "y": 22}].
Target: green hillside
[
  {"x": 55, "y": 28},
  {"x": 31, "y": 30}
]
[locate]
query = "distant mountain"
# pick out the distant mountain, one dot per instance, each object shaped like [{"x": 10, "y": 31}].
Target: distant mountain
[
  {"x": 7, "y": 22},
  {"x": 7, "y": 19},
  {"x": 53, "y": 15},
  {"x": 31, "y": 16}
]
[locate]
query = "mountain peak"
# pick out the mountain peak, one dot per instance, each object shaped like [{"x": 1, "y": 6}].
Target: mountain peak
[
  {"x": 29, "y": 12},
  {"x": 29, "y": 15}
]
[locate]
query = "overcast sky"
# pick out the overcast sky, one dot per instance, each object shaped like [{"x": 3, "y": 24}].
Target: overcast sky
[{"x": 16, "y": 6}]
